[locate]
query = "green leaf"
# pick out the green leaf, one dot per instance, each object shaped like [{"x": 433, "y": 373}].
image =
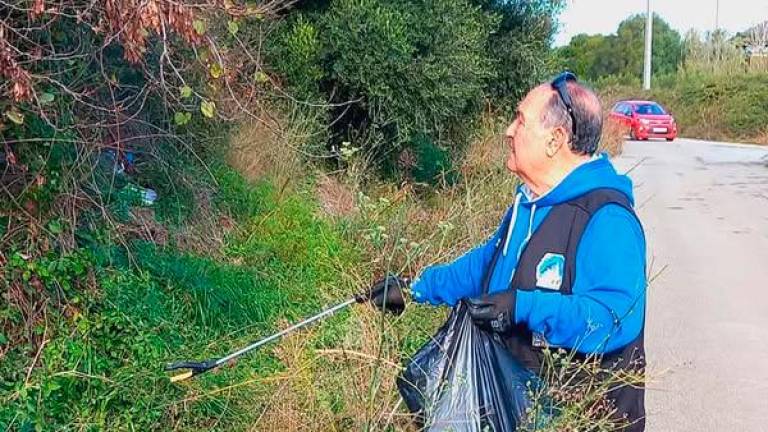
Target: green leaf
[
  {"x": 186, "y": 91},
  {"x": 208, "y": 109},
  {"x": 216, "y": 70},
  {"x": 204, "y": 54},
  {"x": 233, "y": 27},
  {"x": 15, "y": 116},
  {"x": 54, "y": 226},
  {"x": 260, "y": 77},
  {"x": 181, "y": 118},
  {"x": 47, "y": 98},
  {"x": 199, "y": 26},
  {"x": 3, "y": 339}
]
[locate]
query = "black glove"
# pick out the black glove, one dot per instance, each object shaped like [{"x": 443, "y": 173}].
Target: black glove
[
  {"x": 494, "y": 312},
  {"x": 387, "y": 294}
]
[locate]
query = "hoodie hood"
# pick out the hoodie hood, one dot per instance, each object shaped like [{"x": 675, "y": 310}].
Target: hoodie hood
[{"x": 597, "y": 173}]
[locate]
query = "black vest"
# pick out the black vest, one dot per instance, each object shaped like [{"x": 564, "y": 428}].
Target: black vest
[{"x": 560, "y": 233}]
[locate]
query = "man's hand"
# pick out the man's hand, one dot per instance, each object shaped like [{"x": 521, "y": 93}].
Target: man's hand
[
  {"x": 421, "y": 293},
  {"x": 494, "y": 312},
  {"x": 387, "y": 294}
]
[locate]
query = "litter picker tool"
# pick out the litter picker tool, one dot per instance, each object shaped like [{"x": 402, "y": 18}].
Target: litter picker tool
[{"x": 386, "y": 295}]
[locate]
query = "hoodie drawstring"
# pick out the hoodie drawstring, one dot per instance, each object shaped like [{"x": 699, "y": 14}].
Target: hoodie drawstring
[
  {"x": 512, "y": 221},
  {"x": 530, "y": 232},
  {"x": 530, "y": 228}
]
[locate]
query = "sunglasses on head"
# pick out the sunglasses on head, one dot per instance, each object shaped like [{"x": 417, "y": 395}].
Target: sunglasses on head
[{"x": 560, "y": 84}]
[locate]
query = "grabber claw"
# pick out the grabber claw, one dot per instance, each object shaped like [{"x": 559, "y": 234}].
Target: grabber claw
[{"x": 190, "y": 368}]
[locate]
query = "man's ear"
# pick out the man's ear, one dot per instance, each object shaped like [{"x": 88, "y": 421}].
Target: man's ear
[{"x": 558, "y": 141}]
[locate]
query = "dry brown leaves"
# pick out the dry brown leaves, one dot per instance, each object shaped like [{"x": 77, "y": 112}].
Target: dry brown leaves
[
  {"x": 134, "y": 21},
  {"x": 21, "y": 89},
  {"x": 131, "y": 22}
]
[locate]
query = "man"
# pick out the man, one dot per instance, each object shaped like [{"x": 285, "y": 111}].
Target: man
[{"x": 566, "y": 268}]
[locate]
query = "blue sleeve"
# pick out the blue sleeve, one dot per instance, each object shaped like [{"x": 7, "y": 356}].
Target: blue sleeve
[
  {"x": 606, "y": 309},
  {"x": 448, "y": 283}
]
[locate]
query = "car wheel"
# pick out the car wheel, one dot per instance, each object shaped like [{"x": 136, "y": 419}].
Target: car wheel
[
  {"x": 670, "y": 139},
  {"x": 632, "y": 135}
]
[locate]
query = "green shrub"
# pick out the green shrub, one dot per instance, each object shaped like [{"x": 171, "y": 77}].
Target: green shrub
[
  {"x": 295, "y": 51},
  {"x": 432, "y": 162},
  {"x": 415, "y": 67},
  {"x": 742, "y": 104},
  {"x": 395, "y": 70}
]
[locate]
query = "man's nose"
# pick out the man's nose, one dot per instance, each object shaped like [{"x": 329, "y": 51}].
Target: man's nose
[{"x": 509, "y": 134}]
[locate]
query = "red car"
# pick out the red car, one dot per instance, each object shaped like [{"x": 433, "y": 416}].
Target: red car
[{"x": 645, "y": 119}]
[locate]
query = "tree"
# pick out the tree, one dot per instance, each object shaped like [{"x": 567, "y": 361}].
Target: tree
[
  {"x": 400, "y": 73},
  {"x": 590, "y": 56},
  {"x": 520, "y": 46},
  {"x": 630, "y": 43},
  {"x": 596, "y": 56}
]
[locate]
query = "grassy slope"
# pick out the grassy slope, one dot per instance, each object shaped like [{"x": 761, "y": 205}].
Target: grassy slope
[
  {"x": 101, "y": 363},
  {"x": 116, "y": 313}
]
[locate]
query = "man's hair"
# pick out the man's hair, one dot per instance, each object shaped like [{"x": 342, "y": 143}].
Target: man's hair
[{"x": 588, "y": 114}]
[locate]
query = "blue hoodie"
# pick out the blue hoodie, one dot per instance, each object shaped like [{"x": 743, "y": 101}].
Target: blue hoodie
[{"x": 607, "y": 306}]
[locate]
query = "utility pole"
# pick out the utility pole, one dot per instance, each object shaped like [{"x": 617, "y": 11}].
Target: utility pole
[
  {"x": 717, "y": 15},
  {"x": 648, "y": 47}
]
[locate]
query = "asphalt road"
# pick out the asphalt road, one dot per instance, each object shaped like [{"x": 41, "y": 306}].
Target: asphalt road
[{"x": 704, "y": 206}]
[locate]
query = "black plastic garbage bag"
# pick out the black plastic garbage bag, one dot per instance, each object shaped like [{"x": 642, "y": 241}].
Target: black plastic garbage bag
[{"x": 463, "y": 380}]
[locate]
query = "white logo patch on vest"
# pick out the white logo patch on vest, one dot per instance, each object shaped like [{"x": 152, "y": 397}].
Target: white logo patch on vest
[{"x": 549, "y": 271}]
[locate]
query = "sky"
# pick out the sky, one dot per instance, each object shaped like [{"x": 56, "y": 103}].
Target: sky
[{"x": 604, "y": 16}]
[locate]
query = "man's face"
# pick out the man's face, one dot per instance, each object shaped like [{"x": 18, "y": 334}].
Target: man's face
[{"x": 527, "y": 137}]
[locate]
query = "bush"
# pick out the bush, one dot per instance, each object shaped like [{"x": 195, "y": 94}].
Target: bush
[
  {"x": 432, "y": 163},
  {"x": 295, "y": 51},
  {"x": 612, "y": 139},
  {"x": 414, "y": 67},
  {"x": 395, "y": 70}
]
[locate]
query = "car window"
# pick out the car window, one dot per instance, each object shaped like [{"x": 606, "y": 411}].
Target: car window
[
  {"x": 622, "y": 108},
  {"x": 649, "y": 109}
]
